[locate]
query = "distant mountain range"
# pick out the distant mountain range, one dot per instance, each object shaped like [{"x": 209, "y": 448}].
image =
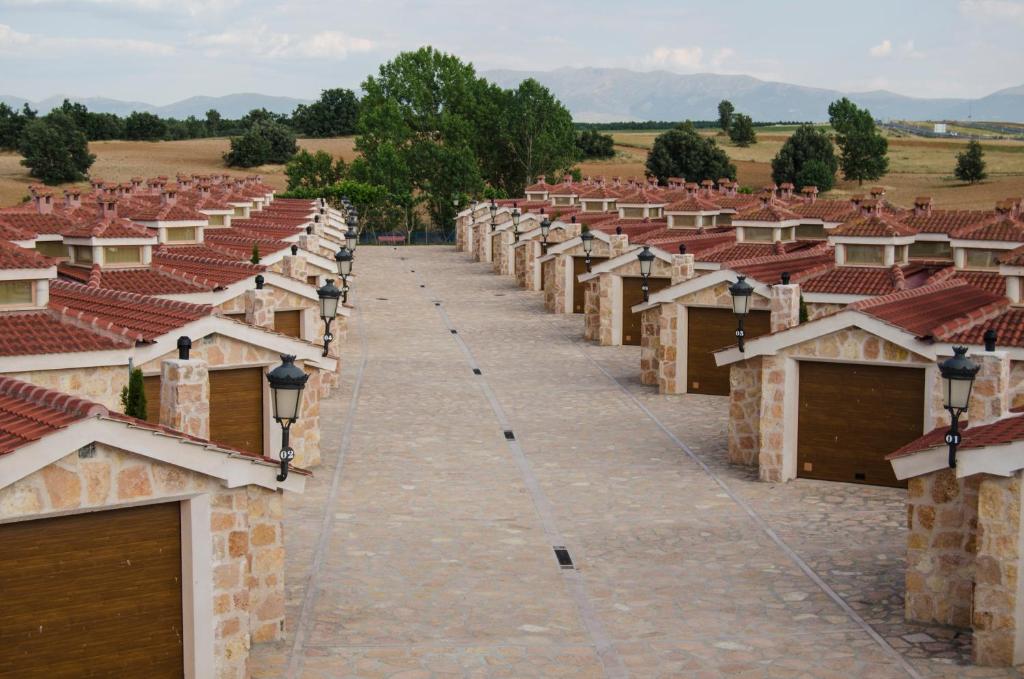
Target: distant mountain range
[
  {"x": 615, "y": 94},
  {"x": 229, "y": 105}
]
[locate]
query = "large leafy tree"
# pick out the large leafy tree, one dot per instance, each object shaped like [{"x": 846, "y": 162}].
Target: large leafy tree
[
  {"x": 682, "y": 152},
  {"x": 264, "y": 142},
  {"x": 54, "y": 149},
  {"x": 970, "y": 164},
  {"x": 594, "y": 144},
  {"x": 334, "y": 114},
  {"x": 12, "y": 122},
  {"x": 725, "y": 111},
  {"x": 313, "y": 170},
  {"x": 862, "y": 148},
  {"x": 741, "y": 130},
  {"x": 144, "y": 126},
  {"x": 806, "y": 159}
]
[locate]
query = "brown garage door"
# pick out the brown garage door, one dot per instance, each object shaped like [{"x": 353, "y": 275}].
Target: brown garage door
[
  {"x": 288, "y": 322},
  {"x": 631, "y": 296},
  {"x": 151, "y": 386},
  {"x": 707, "y": 331},
  {"x": 841, "y": 435},
  {"x": 236, "y": 408},
  {"x": 579, "y": 267},
  {"x": 92, "y": 595}
]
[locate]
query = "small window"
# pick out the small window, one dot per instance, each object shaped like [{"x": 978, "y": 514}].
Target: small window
[
  {"x": 981, "y": 259},
  {"x": 632, "y": 212},
  {"x": 216, "y": 220},
  {"x": 181, "y": 234},
  {"x": 873, "y": 255},
  {"x": 724, "y": 219},
  {"x": 931, "y": 250},
  {"x": 686, "y": 221},
  {"x": 786, "y": 233},
  {"x": 82, "y": 254},
  {"x": 756, "y": 234},
  {"x": 655, "y": 212},
  {"x": 901, "y": 253},
  {"x": 15, "y": 293},
  {"x": 122, "y": 254},
  {"x": 563, "y": 200},
  {"x": 811, "y": 231},
  {"x": 239, "y": 211},
  {"x": 592, "y": 206},
  {"x": 52, "y": 248}
]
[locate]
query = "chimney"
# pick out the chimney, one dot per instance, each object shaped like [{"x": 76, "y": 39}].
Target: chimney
[
  {"x": 810, "y": 194},
  {"x": 567, "y": 179},
  {"x": 259, "y": 305},
  {"x": 185, "y": 393},
  {"x": 878, "y": 192},
  {"x": 691, "y": 189},
  {"x": 682, "y": 266},
  {"x": 785, "y": 306},
  {"x": 72, "y": 199},
  {"x": 991, "y": 397},
  {"x": 168, "y": 197},
  {"x": 108, "y": 207},
  {"x": 856, "y": 200},
  {"x": 96, "y": 184},
  {"x": 871, "y": 207},
  {"x": 1004, "y": 209},
  {"x": 540, "y": 179},
  {"x": 923, "y": 205},
  {"x": 898, "y": 281},
  {"x": 137, "y": 183},
  {"x": 707, "y": 187},
  {"x": 44, "y": 202},
  {"x": 723, "y": 185},
  {"x": 787, "y": 189}
]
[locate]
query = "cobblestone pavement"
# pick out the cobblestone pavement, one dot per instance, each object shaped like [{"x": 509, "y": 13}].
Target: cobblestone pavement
[{"x": 423, "y": 547}]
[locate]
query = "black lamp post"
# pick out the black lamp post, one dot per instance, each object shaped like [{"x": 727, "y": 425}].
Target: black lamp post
[
  {"x": 958, "y": 375},
  {"x": 587, "y": 238},
  {"x": 515, "y": 223},
  {"x": 352, "y": 237},
  {"x": 494, "y": 214},
  {"x": 646, "y": 258},
  {"x": 741, "y": 291},
  {"x": 545, "y": 229},
  {"x": 343, "y": 258},
  {"x": 329, "y": 295},
  {"x": 286, "y": 384}
]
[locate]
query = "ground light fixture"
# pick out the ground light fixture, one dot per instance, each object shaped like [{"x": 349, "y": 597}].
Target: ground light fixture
[
  {"x": 587, "y": 238},
  {"x": 958, "y": 373},
  {"x": 329, "y": 295},
  {"x": 343, "y": 258},
  {"x": 646, "y": 258},
  {"x": 286, "y": 384},
  {"x": 741, "y": 291}
]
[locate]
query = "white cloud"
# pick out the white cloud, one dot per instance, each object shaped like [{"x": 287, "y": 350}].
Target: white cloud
[
  {"x": 722, "y": 55},
  {"x": 189, "y": 7},
  {"x": 883, "y": 49},
  {"x": 263, "y": 43},
  {"x": 684, "y": 58},
  {"x": 993, "y": 9},
  {"x": 12, "y": 40}
]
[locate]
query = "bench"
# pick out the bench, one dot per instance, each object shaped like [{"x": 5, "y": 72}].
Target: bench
[{"x": 390, "y": 239}]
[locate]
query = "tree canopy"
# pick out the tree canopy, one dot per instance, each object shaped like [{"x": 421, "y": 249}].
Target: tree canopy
[
  {"x": 313, "y": 170},
  {"x": 594, "y": 144},
  {"x": 267, "y": 141},
  {"x": 725, "y": 111},
  {"x": 862, "y": 148},
  {"x": 334, "y": 114},
  {"x": 683, "y": 152},
  {"x": 806, "y": 159},
  {"x": 970, "y": 164},
  {"x": 54, "y": 149},
  {"x": 741, "y": 130}
]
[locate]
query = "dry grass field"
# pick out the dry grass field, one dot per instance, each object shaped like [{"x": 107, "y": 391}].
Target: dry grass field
[{"x": 918, "y": 166}]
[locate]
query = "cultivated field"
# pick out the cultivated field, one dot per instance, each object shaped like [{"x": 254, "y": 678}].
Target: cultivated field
[{"x": 918, "y": 166}]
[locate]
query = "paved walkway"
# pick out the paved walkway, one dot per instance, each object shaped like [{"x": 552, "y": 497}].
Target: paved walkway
[{"x": 424, "y": 545}]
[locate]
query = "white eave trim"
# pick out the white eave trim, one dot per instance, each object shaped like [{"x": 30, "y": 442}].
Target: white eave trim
[
  {"x": 66, "y": 361},
  {"x": 674, "y": 292},
  {"x": 609, "y": 266},
  {"x": 984, "y": 244},
  {"x": 1000, "y": 460},
  {"x": 832, "y": 298}
]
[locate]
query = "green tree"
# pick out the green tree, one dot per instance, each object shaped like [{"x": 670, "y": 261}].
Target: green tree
[
  {"x": 254, "y": 258},
  {"x": 725, "y": 111},
  {"x": 12, "y": 122},
  {"x": 334, "y": 114},
  {"x": 54, "y": 149},
  {"x": 313, "y": 170},
  {"x": 213, "y": 121},
  {"x": 594, "y": 144},
  {"x": 682, "y": 152},
  {"x": 741, "y": 130},
  {"x": 970, "y": 164},
  {"x": 133, "y": 396},
  {"x": 862, "y": 148},
  {"x": 806, "y": 159},
  {"x": 144, "y": 126},
  {"x": 264, "y": 142}
]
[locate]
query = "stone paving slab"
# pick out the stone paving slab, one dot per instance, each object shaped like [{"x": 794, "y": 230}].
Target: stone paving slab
[{"x": 438, "y": 560}]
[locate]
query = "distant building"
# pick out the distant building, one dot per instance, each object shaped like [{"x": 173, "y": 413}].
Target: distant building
[{"x": 940, "y": 128}]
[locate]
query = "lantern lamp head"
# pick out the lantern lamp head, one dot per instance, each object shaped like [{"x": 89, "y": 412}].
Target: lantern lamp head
[
  {"x": 587, "y": 238},
  {"x": 329, "y": 295},
  {"x": 545, "y": 228},
  {"x": 958, "y": 373},
  {"x": 646, "y": 258},
  {"x": 515, "y": 217},
  {"x": 286, "y": 384},
  {"x": 343, "y": 258},
  {"x": 741, "y": 291}
]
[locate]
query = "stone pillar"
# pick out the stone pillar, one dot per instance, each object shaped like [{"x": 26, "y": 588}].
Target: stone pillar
[
  {"x": 667, "y": 355},
  {"x": 618, "y": 244},
  {"x": 991, "y": 395},
  {"x": 998, "y": 596},
  {"x": 650, "y": 342},
  {"x": 785, "y": 307},
  {"x": 771, "y": 456},
  {"x": 294, "y": 267},
  {"x": 591, "y": 309},
  {"x": 259, "y": 308},
  {"x": 682, "y": 268},
  {"x": 309, "y": 242},
  {"x": 571, "y": 231},
  {"x": 185, "y": 396},
  {"x": 551, "y": 286},
  {"x": 745, "y": 412}
]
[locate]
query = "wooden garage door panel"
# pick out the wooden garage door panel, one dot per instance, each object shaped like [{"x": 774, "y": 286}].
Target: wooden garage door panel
[
  {"x": 236, "y": 408},
  {"x": 579, "y": 267},
  {"x": 707, "y": 331},
  {"x": 841, "y": 435},
  {"x": 288, "y": 322},
  {"x": 632, "y": 294},
  {"x": 92, "y": 595},
  {"x": 151, "y": 386}
]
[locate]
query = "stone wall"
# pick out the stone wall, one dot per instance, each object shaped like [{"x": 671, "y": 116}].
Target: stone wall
[
  {"x": 745, "y": 412},
  {"x": 667, "y": 355},
  {"x": 816, "y": 311},
  {"x": 245, "y": 526},
  {"x": 551, "y": 286},
  {"x": 650, "y": 344},
  {"x": 520, "y": 262},
  {"x": 591, "y": 309},
  {"x": 101, "y": 384},
  {"x": 499, "y": 241}
]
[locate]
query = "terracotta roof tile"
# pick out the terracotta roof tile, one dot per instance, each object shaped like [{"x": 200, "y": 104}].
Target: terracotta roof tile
[
  {"x": 220, "y": 271},
  {"x": 151, "y": 280},
  {"x": 1009, "y": 327},
  {"x": 934, "y": 310},
  {"x": 153, "y": 209},
  {"x": 111, "y": 228},
  {"x": 20, "y": 225},
  {"x": 15, "y": 257},
  {"x": 692, "y": 204},
  {"x": 944, "y": 221},
  {"x": 869, "y": 280},
  {"x": 825, "y": 210},
  {"x": 997, "y": 230},
  {"x": 1006, "y": 430},
  {"x": 642, "y": 197},
  {"x": 800, "y": 265},
  {"x": 28, "y": 413},
  {"x": 733, "y": 251},
  {"x": 873, "y": 226},
  {"x": 766, "y": 213},
  {"x": 46, "y": 332}
]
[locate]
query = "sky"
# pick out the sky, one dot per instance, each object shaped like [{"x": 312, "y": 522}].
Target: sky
[{"x": 161, "y": 51}]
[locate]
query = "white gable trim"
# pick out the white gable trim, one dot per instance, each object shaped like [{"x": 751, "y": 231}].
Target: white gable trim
[
  {"x": 66, "y": 361},
  {"x": 609, "y": 266},
  {"x": 1000, "y": 460},
  {"x": 674, "y": 292}
]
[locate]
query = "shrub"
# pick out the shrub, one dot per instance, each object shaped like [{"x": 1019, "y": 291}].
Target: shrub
[
  {"x": 133, "y": 396},
  {"x": 594, "y": 144},
  {"x": 55, "y": 150},
  {"x": 970, "y": 164},
  {"x": 265, "y": 142}
]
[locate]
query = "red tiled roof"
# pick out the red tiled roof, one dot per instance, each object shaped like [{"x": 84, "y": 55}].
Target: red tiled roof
[
  {"x": 800, "y": 265},
  {"x": 28, "y": 413},
  {"x": 873, "y": 226},
  {"x": 1006, "y": 430},
  {"x": 766, "y": 213},
  {"x": 944, "y": 221},
  {"x": 825, "y": 210},
  {"x": 15, "y": 257},
  {"x": 1009, "y": 327},
  {"x": 692, "y": 204},
  {"x": 46, "y": 332},
  {"x": 153, "y": 209},
  {"x": 17, "y": 225},
  {"x": 986, "y": 280},
  {"x": 739, "y": 202},
  {"x": 151, "y": 280},
  {"x": 934, "y": 310},
  {"x": 112, "y": 228},
  {"x": 148, "y": 317},
  {"x": 870, "y": 280},
  {"x": 731, "y": 252},
  {"x": 221, "y": 271},
  {"x": 998, "y": 230},
  {"x": 600, "y": 192},
  {"x": 642, "y": 197},
  {"x": 630, "y": 227}
]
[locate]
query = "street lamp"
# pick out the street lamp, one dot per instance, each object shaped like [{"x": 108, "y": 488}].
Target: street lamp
[
  {"x": 958, "y": 375},
  {"x": 646, "y": 258},
  {"x": 286, "y": 384},
  {"x": 343, "y": 258},
  {"x": 329, "y": 295},
  {"x": 741, "y": 291},
  {"x": 587, "y": 238},
  {"x": 494, "y": 213},
  {"x": 352, "y": 238},
  {"x": 515, "y": 223}
]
